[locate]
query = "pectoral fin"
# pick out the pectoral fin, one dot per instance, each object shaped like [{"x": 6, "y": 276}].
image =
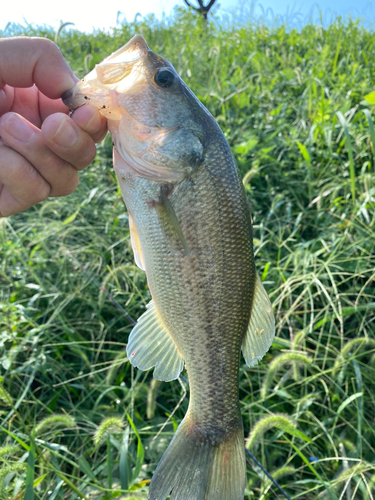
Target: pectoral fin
[
  {"x": 261, "y": 330},
  {"x": 166, "y": 205},
  {"x": 136, "y": 245},
  {"x": 151, "y": 345}
]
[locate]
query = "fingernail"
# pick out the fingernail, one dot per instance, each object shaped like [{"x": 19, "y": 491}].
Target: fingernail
[
  {"x": 65, "y": 135},
  {"x": 18, "y": 128},
  {"x": 88, "y": 119},
  {"x": 94, "y": 124}
]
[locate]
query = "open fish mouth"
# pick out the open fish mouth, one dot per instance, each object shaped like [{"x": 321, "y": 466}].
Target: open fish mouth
[{"x": 116, "y": 74}]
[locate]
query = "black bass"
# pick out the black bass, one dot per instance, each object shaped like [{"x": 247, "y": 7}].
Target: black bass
[{"x": 191, "y": 232}]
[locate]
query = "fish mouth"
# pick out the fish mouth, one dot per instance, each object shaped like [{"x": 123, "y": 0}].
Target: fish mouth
[{"x": 112, "y": 72}]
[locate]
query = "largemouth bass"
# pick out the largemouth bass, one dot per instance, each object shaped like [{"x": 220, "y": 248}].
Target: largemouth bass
[{"x": 191, "y": 232}]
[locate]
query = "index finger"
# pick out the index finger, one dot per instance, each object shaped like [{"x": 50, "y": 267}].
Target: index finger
[{"x": 25, "y": 61}]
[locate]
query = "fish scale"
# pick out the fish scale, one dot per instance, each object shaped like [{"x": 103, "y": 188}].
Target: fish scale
[{"x": 191, "y": 232}]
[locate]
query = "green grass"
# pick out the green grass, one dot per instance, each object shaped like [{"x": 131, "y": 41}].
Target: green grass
[{"x": 292, "y": 107}]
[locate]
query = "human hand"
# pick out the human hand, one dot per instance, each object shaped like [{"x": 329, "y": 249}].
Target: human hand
[{"x": 41, "y": 147}]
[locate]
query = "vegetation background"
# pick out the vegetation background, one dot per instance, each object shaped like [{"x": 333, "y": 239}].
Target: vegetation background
[{"x": 76, "y": 420}]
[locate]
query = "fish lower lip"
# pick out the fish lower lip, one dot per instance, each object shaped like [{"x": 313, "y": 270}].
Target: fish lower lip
[{"x": 72, "y": 110}]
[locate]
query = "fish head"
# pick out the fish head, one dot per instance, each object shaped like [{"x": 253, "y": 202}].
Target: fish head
[{"x": 157, "y": 124}]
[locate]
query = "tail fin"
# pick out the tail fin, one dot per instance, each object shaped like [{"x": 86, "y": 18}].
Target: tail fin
[{"x": 196, "y": 468}]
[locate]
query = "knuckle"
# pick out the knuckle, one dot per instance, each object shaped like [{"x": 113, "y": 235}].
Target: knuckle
[
  {"x": 99, "y": 136},
  {"x": 91, "y": 156},
  {"x": 42, "y": 190},
  {"x": 85, "y": 156},
  {"x": 39, "y": 188},
  {"x": 71, "y": 186},
  {"x": 48, "y": 50},
  {"x": 47, "y": 45},
  {"x": 65, "y": 178}
]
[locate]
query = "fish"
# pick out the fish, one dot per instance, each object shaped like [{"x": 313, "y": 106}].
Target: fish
[{"x": 191, "y": 232}]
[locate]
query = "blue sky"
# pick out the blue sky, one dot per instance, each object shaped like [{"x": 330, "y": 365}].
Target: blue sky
[{"x": 105, "y": 15}]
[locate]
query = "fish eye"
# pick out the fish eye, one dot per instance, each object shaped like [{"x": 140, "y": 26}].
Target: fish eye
[{"x": 165, "y": 78}]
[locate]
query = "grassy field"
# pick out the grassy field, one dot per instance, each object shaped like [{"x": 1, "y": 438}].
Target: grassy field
[{"x": 76, "y": 420}]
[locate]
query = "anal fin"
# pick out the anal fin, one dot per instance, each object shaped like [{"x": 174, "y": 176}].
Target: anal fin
[
  {"x": 151, "y": 345},
  {"x": 261, "y": 329}
]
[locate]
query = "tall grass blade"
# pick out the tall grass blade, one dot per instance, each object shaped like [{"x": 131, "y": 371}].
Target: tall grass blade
[
  {"x": 140, "y": 453},
  {"x": 30, "y": 472},
  {"x": 86, "y": 469},
  {"x": 290, "y": 103},
  {"x": 367, "y": 114},
  {"x": 331, "y": 494},
  {"x": 359, "y": 382},
  {"x": 349, "y": 147},
  {"x": 343, "y": 405},
  {"x": 124, "y": 463},
  {"x": 270, "y": 477}
]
